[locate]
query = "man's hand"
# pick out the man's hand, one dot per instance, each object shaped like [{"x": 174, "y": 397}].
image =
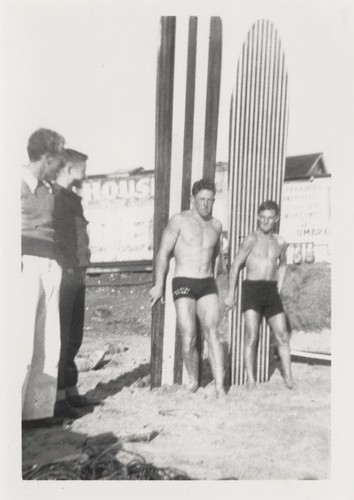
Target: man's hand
[
  {"x": 156, "y": 293},
  {"x": 229, "y": 302}
]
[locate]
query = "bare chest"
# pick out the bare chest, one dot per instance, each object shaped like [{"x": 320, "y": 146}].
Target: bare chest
[
  {"x": 265, "y": 249},
  {"x": 199, "y": 234}
]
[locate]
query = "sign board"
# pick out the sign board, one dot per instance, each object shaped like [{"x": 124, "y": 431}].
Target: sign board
[
  {"x": 120, "y": 214},
  {"x": 306, "y": 211}
]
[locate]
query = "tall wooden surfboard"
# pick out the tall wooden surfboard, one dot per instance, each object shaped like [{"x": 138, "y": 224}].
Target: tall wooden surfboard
[
  {"x": 187, "y": 108},
  {"x": 257, "y": 151}
]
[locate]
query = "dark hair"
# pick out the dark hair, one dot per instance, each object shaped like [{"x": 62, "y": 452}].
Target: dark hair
[
  {"x": 44, "y": 141},
  {"x": 269, "y": 205},
  {"x": 203, "y": 184},
  {"x": 74, "y": 156}
]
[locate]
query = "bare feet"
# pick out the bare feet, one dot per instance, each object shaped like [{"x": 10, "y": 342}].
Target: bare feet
[
  {"x": 192, "y": 386},
  {"x": 220, "y": 393},
  {"x": 251, "y": 384},
  {"x": 289, "y": 383}
]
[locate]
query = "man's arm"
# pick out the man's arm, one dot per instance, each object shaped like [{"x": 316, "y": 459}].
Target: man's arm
[
  {"x": 217, "y": 251},
  {"x": 240, "y": 259},
  {"x": 224, "y": 254},
  {"x": 168, "y": 241},
  {"x": 282, "y": 267}
]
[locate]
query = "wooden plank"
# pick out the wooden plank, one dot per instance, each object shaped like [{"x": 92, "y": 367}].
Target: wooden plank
[
  {"x": 212, "y": 98},
  {"x": 189, "y": 114},
  {"x": 164, "y": 114},
  {"x": 172, "y": 364},
  {"x": 187, "y": 160},
  {"x": 314, "y": 357},
  {"x": 133, "y": 266},
  {"x": 258, "y": 132},
  {"x": 195, "y": 58}
]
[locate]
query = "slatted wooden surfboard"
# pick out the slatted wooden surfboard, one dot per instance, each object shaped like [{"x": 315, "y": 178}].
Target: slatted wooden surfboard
[
  {"x": 257, "y": 150},
  {"x": 187, "y": 107}
]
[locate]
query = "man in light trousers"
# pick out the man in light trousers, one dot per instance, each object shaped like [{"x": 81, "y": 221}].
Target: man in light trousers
[{"x": 40, "y": 281}]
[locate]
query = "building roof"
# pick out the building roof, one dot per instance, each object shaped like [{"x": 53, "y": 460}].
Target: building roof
[{"x": 305, "y": 167}]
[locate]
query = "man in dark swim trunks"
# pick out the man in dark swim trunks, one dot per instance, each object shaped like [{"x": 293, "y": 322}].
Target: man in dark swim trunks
[
  {"x": 193, "y": 236},
  {"x": 264, "y": 254}
]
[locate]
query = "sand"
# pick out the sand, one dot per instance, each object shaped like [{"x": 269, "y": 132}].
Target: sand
[{"x": 266, "y": 433}]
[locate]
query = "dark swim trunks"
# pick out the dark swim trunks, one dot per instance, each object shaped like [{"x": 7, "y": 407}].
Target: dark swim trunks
[
  {"x": 261, "y": 296},
  {"x": 195, "y": 288}
]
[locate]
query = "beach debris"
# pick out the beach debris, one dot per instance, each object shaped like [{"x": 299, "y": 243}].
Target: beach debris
[
  {"x": 101, "y": 313},
  {"x": 115, "y": 348},
  {"x": 104, "y": 439},
  {"x": 168, "y": 412},
  {"x": 145, "y": 435},
  {"x": 142, "y": 382},
  {"x": 79, "y": 458},
  {"x": 90, "y": 361},
  {"x": 55, "y": 471},
  {"x": 104, "y": 466}
]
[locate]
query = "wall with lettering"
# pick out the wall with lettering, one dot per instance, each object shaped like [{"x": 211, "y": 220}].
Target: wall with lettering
[
  {"x": 306, "y": 217},
  {"x": 120, "y": 211}
]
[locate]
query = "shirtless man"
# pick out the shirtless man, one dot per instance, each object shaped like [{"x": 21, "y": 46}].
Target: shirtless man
[
  {"x": 264, "y": 254},
  {"x": 193, "y": 236}
]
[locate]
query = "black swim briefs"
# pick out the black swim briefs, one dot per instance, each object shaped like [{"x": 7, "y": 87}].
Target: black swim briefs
[
  {"x": 195, "y": 288},
  {"x": 261, "y": 296}
]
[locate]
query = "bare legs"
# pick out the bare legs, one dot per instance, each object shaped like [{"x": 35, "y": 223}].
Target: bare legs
[
  {"x": 207, "y": 310},
  {"x": 186, "y": 321},
  {"x": 278, "y": 325},
  {"x": 251, "y": 339}
]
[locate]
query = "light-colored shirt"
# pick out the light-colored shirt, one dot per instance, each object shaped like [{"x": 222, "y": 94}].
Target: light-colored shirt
[{"x": 29, "y": 179}]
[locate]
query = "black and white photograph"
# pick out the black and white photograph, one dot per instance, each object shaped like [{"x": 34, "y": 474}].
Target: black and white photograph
[{"x": 177, "y": 277}]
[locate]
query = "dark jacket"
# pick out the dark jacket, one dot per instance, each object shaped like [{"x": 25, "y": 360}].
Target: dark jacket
[{"x": 70, "y": 228}]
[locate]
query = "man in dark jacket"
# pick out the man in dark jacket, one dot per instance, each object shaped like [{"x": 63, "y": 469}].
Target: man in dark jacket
[{"x": 74, "y": 256}]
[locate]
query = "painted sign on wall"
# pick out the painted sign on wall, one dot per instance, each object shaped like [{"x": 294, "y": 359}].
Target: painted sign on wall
[
  {"x": 120, "y": 211},
  {"x": 306, "y": 211},
  {"x": 120, "y": 215}
]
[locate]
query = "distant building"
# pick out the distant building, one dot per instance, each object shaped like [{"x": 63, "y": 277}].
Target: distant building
[
  {"x": 305, "y": 167},
  {"x": 306, "y": 209}
]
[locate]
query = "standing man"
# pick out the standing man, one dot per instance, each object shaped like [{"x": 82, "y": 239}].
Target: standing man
[
  {"x": 74, "y": 256},
  {"x": 193, "y": 236},
  {"x": 40, "y": 280},
  {"x": 264, "y": 255}
]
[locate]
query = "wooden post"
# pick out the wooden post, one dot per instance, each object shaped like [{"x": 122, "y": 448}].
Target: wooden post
[
  {"x": 163, "y": 145},
  {"x": 213, "y": 97},
  {"x": 192, "y": 90}
]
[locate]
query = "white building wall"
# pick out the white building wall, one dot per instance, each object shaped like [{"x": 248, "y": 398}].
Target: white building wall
[{"x": 120, "y": 214}]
